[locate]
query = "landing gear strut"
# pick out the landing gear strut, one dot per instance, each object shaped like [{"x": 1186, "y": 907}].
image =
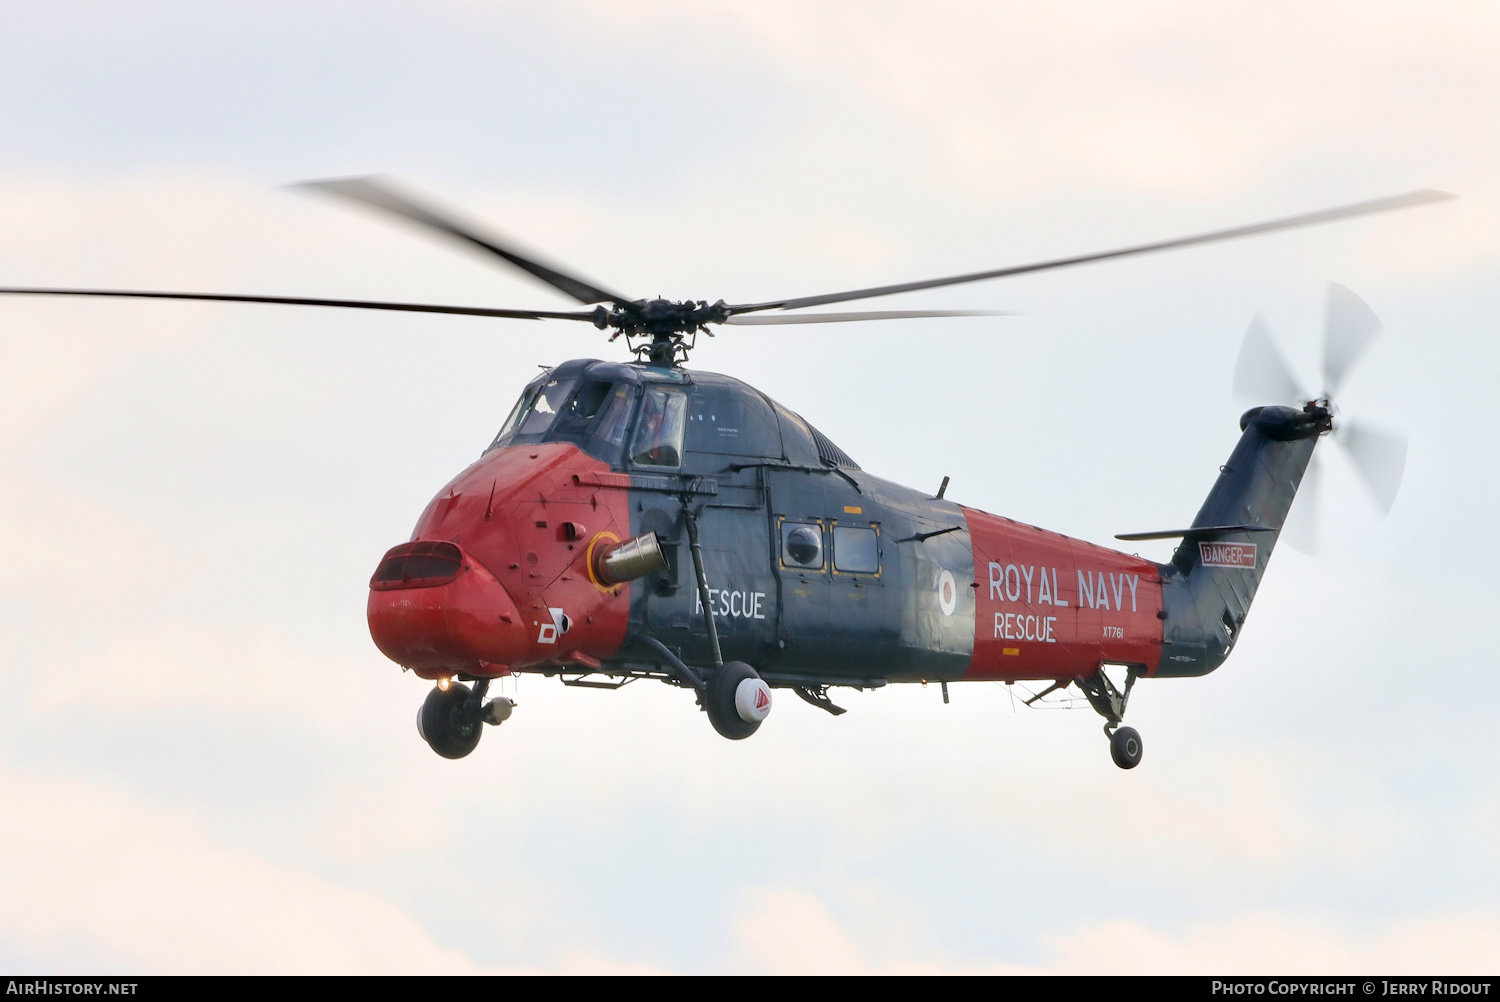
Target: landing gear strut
[
  {"x": 452, "y": 717},
  {"x": 1109, "y": 702},
  {"x": 736, "y": 698}
]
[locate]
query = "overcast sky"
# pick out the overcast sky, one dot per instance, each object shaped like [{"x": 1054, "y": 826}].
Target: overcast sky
[{"x": 205, "y": 764}]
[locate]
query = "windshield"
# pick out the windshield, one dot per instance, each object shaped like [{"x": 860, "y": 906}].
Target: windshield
[
  {"x": 592, "y": 413},
  {"x": 536, "y": 410},
  {"x": 575, "y": 418}
]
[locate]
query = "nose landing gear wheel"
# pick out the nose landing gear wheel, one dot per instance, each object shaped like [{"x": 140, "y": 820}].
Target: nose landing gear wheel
[
  {"x": 449, "y": 721},
  {"x": 1125, "y": 747},
  {"x": 736, "y": 700}
]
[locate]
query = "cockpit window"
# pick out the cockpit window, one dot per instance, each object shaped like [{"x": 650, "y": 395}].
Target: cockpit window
[
  {"x": 522, "y": 406},
  {"x": 658, "y": 437},
  {"x": 594, "y": 414},
  {"x": 614, "y": 416},
  {"x": 579, "y": 413},
  {"x": 536, "y": 410},
  {"x": 544, "y": 407}
]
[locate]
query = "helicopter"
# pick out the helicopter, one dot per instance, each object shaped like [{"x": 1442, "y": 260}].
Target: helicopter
[{"x": 641, "y": 520}]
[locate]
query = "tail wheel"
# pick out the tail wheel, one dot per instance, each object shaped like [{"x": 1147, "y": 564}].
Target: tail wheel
[
  {"x": 1125, "y": 747},
  {"x": 736, "y": 700},
  {"x": 450, "y": 721}
]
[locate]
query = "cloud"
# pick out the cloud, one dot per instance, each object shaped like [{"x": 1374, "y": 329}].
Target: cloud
[
  {"x": 93, "y": 879},
  {"x": 1152, "y": 96},
  {"x": 1271, "y": 943},
  {"x": 785, "y": 930}
]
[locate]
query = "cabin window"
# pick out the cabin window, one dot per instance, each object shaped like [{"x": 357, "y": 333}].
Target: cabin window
[
  {"x": 731, "y": 421},
  {"x": 658, "y": 436},
  {"x": 802, "y": 545},
  {"x": 855, "y": 549},
  {"x": 796, "y": 439}
]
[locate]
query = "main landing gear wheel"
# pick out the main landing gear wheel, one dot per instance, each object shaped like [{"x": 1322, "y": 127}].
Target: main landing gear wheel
[
  {"x": 736, "y": 700},
  {"x": 450, "y": 721},
  {"x": 1125, "y": 747}
]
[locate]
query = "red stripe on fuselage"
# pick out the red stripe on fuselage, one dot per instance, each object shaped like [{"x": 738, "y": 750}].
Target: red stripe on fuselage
[{"x": 1051, "y": 607}]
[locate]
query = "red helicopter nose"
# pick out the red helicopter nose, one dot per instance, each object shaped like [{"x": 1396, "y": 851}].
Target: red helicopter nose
[{"x": 436, "y": 610}]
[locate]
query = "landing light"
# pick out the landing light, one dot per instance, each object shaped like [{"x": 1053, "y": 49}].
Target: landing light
[{"x": 444, "y": 683}]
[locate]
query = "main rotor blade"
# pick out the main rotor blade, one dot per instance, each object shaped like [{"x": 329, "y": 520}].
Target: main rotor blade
[
  {"x": 1408, "y": 200},
  {"x": 1350, "y": 327},
  {"x": 356, "y": 304},
  {"x": 379, "y": 194},
  {"x": 1380, "y": 458},
  {"x": 838, "y": 318},
  {"x": 1261, "y": 374}
]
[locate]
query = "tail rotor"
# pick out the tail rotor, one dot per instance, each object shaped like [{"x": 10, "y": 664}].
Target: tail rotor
[
  {"x": 1348, "y": 328},
  {"x": 1302, "y": 530},
  {"x": 1261, "y": 373},
  {"x": 1379, "y": 456},
  {"x": 1262, "y": 376}
]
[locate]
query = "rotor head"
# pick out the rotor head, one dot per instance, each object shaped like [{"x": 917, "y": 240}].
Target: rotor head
[{"x": 672, "y": 327}]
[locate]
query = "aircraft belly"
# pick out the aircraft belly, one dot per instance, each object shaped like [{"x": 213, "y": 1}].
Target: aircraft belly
[{"x": 1051, "y": 607}]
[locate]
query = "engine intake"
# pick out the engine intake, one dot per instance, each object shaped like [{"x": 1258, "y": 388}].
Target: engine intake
[{"x": 616, "y": 563}]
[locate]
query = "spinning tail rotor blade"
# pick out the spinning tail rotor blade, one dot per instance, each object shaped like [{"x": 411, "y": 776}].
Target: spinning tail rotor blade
[
  {"x": 1351, "y": 326},
  {"x": 1301, "y": 530},
  {"x": 836, "y": 318},
  {"x": 1380, "y": 458},
  {"x": 1261, "y": 374},
  {"x": 379, "y": 194}
]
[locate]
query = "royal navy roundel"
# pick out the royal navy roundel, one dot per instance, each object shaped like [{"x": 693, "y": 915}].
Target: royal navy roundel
[{"x": 947, "y": 592}]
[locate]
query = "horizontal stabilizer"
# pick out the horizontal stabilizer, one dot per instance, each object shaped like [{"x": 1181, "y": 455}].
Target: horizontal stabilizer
[{"x": 1198, "y": 530}]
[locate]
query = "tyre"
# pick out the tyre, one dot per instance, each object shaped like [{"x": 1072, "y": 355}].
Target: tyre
[
  {"x": 1125, "y": 747},
  {"x": 736, "y": 700},
  {"x": 449, "y": 721}
]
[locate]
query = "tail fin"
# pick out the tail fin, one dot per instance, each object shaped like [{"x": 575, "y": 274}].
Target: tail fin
[{"x": 1209, "y": 585}]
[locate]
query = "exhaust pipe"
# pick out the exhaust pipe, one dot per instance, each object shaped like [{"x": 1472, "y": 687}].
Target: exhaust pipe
[{"x": 616, "y": 563}]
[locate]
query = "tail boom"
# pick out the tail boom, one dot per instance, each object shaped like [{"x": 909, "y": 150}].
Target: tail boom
[{"x": 1211, "y": 580}]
